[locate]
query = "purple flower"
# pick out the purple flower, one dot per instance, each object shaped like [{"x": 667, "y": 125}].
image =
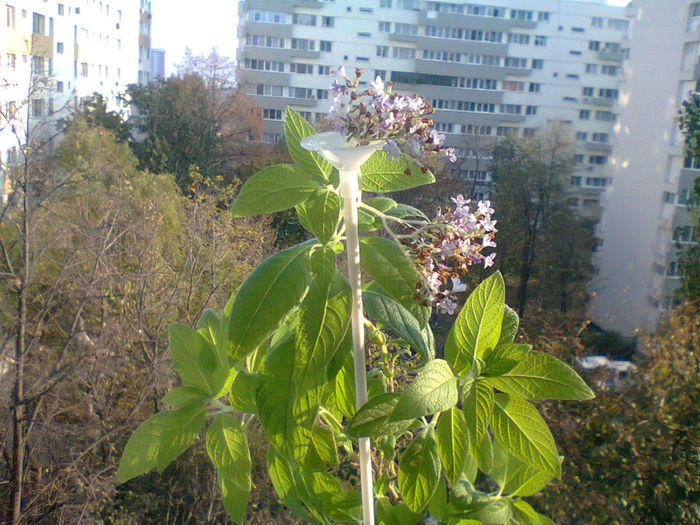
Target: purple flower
[
  {"x": 485, "y": 207},
  {"x": 376, "y": 87},
  {"x": 393, "y": 150},
  {"x": 339, "y": 72},
  {"x": 446, "y": 306},
  {"x": 489, "y": 260},
  {"x": 460, "y": 201},
  {"x": 458, "y": 285},
  {"x": 436, "y": 137}
]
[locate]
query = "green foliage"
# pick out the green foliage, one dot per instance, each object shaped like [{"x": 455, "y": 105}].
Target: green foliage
[{"x": 286, "y": 340}]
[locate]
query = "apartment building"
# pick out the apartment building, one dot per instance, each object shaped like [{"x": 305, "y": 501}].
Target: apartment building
[
  {"x": 52, "y": 54},
  {"x": 645, "y": 216},
  {"x": 490, "y": 69}
]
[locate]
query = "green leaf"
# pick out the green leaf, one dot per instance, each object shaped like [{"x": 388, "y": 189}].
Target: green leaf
[
  {"x": 210, "y": 328},
  {"x": 399, "y": 320},
  {"x": 483, "y": 453},
  {"x": 490, "y": 512},
  {"x": 320, "y": 214},
  {"x": 386, "y": 262},
  {"x": 419, "y": 470},
  {"x": 184, "y": 395},
  {"x": 195, "y": 359},
  {"x": 266, "y": 297},
  {"x": 433, "y": 390},
  {"x": 518, "y": 426},
  {"x": 477, "y": 406},
  {"x": 343, "y": 507},
  {"x": 509, "y": 326},
  {"x": 272, "y": 189},
  {"x": 478, "y": 325},
  {"x": 242, "y": 395},
  {"x": 322, "y": 448},
  {"x": 345, "y": 388},
  {"x": 452, "y": 442},
  {"x": 388, "y": 514},
  {"x": 369, "y": 221},
  {"x": 503, "y": 358},
  {"x": 227, "y": 446},
  {"x": 541, "y": 376},
  {"x": 179, "y": 432},
  {"x": 324, "y": 318},
  {"x": 141, "y": 450},
  {"x": 380, "y": 175},
  {"x": 295, "y": 129},
  {"x": 373, "y": 418},
  {"x": 526, "y": 515},
  {"x": 401, "y": 211},
  {"x": 514, "y": 476},
  {"x": 282, "y": 478},
  {"x": 438, "y": 503}
]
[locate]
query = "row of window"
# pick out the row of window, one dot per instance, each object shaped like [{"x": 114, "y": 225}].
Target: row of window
[
  {"x": 602, "y": 138},
  {"x": 280, "y": 17},
  {"x": 483, "y": 107},
  {"x": 303, "y": 44},
  {"x": 293, "y": 92},
  {"x": 596, "y": 182}
]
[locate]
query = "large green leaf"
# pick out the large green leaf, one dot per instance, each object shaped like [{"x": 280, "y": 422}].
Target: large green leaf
[
  {"x": 541, "y": 376},
  {"x": 388, "y": 514},
  {"x": 227, "y": 447},
  {"x": 526, "y": 515},
  {"x": 433, "y": 390},
  {"x": 322, "y": 448},
  {"x": 211, "y": 328},
  {"x": 184, "y": 395},
  {"x": 324, "y": 318},
  {"x": 396, "y": 318},
  {"x": 345, "y": 388},
  {"x": 369, "y": 221},
  {"x": 514, "y": 476},
  {"x": 478, "y": 325},
  {"x": 419, "y": 470},
  {"x": 282, "y": 477},
  {"x": 179, "y": 432},
  {"x": 518, "y": 426},
  {"x": 373, "y": 418},
  {"x": 509, "y": 326},
  {"x": 242, "y": 394},
  {"x": 266, "y": 297},
  {"x": 272, "y": 189},
  {"x": 503, "y": 358},
  {"x": 477, "y": 406},
  {"x": 141, "y": 450},
  {"x": 452, "y": 442},
  {"x": 379, "y": 174},
  {"x": 320, "y": 214},
  {"x": 295, "y": 129},
  {"x": 386, "y": 262},
  {"x": 195, "y": 360}
]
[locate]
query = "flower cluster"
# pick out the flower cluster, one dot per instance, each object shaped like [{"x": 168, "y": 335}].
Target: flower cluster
[
  {"x": 376, "y": 113},
  {"x": 445, "y": 248}
]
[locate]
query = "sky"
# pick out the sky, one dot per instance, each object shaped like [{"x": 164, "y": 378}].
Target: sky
[
  {"x": 176, "y": 25},
  {"x": 199, "y": 25}
]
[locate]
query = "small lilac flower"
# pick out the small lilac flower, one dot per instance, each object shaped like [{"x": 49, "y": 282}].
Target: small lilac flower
[
  {"x": 393, "y": 150},
  {"x": 436, "y": 137},
  {"x": 489, "y": 260},
  {"x": 487, "y": 242},
  {"x": 434, "y": 282},
  {"x": 485, "y": 207},
  {"x": 458, "y": 285},
  {"x": 339, "y": 72},
  {"x": 451, "y": 155},
  {"x": 376, "y": 87},
  {"x": 446, "y": 306},
  {"x": 460, "y": 201},
  {"x": 488, "y": 224}
]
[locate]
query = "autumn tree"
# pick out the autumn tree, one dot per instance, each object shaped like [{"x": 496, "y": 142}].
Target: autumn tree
[{"x": 539, "y": 237}]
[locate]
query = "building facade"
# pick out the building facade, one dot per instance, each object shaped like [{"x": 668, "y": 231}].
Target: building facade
[
  {"x": 490, "y": 69},
  {"x": 157, "y": 64},
  {"x": 53, "y": 54},
  {"x": 645, "y": 216}
]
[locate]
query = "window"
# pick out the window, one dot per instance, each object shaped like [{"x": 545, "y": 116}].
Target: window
[
  {"x": 38, "y": 66},
  {"x": 299, "y": 92},
  {"x": 521, "y": 14},
  {"x": 515, "y": 62},
  {"x": 324, "y": 70},
  {"x": 10, "y": 15},
  {"x": 571, "y": 75},
  {"x": 404, "y": 53},
  {"x": 540, "y": 40},
  {"x": 594, "y": 45},
  {"x": 582, "y": 136},
  {"x": 599, "y": 182},
  {"x": 272, "y": 114},
  {"x": 543, "y": 16},
  {"x": 597, "y": 159},
  {"x": 607, "y": 93},
  {"x": 605, "y": 116},
  {"x": 259, "y": 15},
  {"x": 381, "y": 73},
  {"x": 302, "y": 19},
  {"x": 531, "y": 110},
  {"x": 303, "y": 44},
  {"x": 301, "y": 69},
  {"x": 534, "y": 87},
  {"x": 385, "y": 3},
  {"x": 511, "y": 109},
  {"x": 609, "y": 70},
  {"x": 578, "y": 159},
  {"x": 264, "y": 41},
  {"x": 506, "y": 131},
  {"x": 592, "y": 68},
  {"x": 326, "y": 45},
  {"x": 384, "y": 27},
  {"x": 577, "y": 29},
  {"x": 597, "y": 21},
  {"x": 588, "y": 91},
  {"x": 37, "y": 107},
  {"x": 537, "y": 63},
  {"x": 574, "y": 52},
  {"x": 405, "y": 29},
  {"x": 518, "y": 38},
  {"x": 382, "y": 51},
  {"x": 59, "y": 48},
  {"x": 575, "y": 181},
  {"x": 366, "y": 10},
  {"x": 264, "y": 65},
  {"x": 322, "y": 94},
  {"x": 38, "y": 24},
  {"x": 269, "y": 91},
  {"x": 511, "y": 85},
  {"x": 59, "y": 86},
  {"x": 616, "y": 23},
  {"x": 327, "y": 21},
  {"x": 584, "y": 114}
]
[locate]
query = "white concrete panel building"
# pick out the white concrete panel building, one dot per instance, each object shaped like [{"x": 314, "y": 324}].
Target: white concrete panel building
[
  {"x": 489, "y": 68},
  {"x": 78, "y": 47},
  {"x": 645, "y": 216}
]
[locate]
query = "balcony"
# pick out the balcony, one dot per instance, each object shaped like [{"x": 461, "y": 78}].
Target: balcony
[{"x": 599, "y": 101}]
